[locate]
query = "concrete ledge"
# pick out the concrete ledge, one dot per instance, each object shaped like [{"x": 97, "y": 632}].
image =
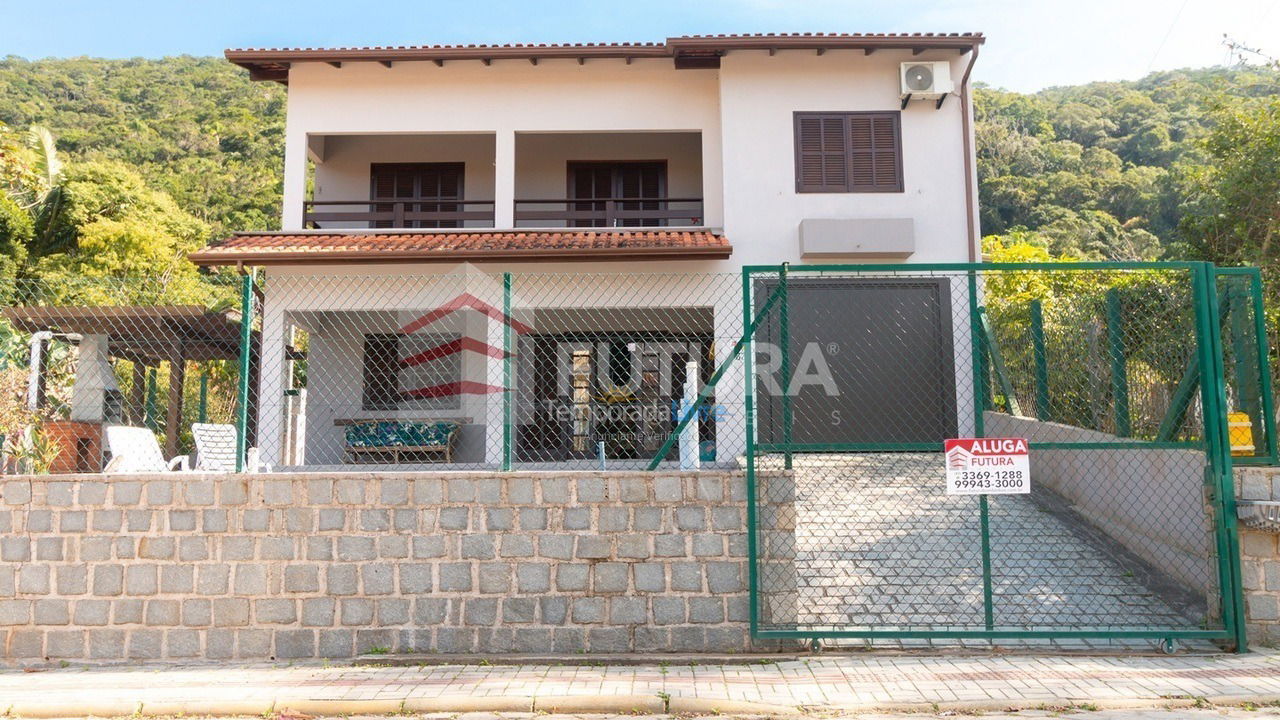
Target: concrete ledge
[
  {"x": 470, "y": 703},
  {"x": 575, "y": 659},
  {"x": 646, "y": 704},
  {"x": 678, "y": 705}
]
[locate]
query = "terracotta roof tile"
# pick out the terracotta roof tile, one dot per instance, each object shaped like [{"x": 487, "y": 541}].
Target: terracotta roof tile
[{"x": 301, "y": 248}]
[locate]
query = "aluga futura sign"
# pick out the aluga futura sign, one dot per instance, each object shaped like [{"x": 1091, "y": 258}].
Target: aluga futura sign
[{"x": 987, "y": 466}]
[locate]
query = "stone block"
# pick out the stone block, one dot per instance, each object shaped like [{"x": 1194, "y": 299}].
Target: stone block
[
  {"x": 336, "y": 644},
  {"x": 47, "y": 611},
  {"x": 555, "y": 491},
  {"x": 378, "y": 578},
  {"x": 649, "y": 577},
  {"x": 576, "y": 518},
  {"x": 182, "y": 643},
  {"x": 341, "y": 580},
  {"x": 253, "y": 643},
  {"x": 461, "y": 490},
  {"x": 157, "y": 548},
  {"x": 139, "y": 520},
  {"x": 275, "y": 611},
  {"x": 628, "y": 611},
  {"x": 608, "y": 640},
  {"x": 177, "y": 579},
  {"x": 430, "y": 610},
  {"x": 197, "y": 612},
  {"x": 276, "y": 548},
  {"x": 646, "y": 519},
  {"x": 554, "y": 609},
  {"x": 588, "y": 610},
  {"x": 477, "y": 547},
  {"x": 355, "y": 611},
  {"x": 610, "y": 577},
  {"x": 331, "y": 519},
  {"x": 72, "y": 579},
  {"x": 319, "y": 491},
  {"x": 212, "y": 579},
  {"x": 454, "y": 518},
  {"x": 233, "y": 491},
  {"x": 255, "y": 520},
  {"x": 480, "y": 611},
  {"x": 198, "y": 492},
  {"x": 127, "y": 611},
  {"x": 302, "y": 578},
  {"x": 230, "y": 612},
  {"x": 520, "y": 491},
  {"x": 555, "y": 547},
  {"x": 668, "y": 610},
  {"x": 162, "y": 612},
  {"x": 633, "y": 546},
  {"x": 349, "y": 491},
  {"x": 686, "y": 576},
  {"x": 92, "y": 612},
  {"x": 251, "y": 580},
  {"x": 238, "y": 547},
  {"x": 49, "y": 548},
  {"x": 706, "y": 610},
  {"x": 106, "y": 644},
  {"x": 593, "y": 547},
  {"x": 533, "y": 577},
  {"x": 572, "y": 577},
  {"x": 182, "y": 520},
  {"x": 318, "y": 612},
  {"x": 691, "y": 518},
  {"x": 145, "y": 644},
  {"x": 213, "y": 521},
  {"x": 613, "y": 519},
  {"x": 15, "y": 612},
  {"x": 299, "y": 521},
  {"x": 391, "y": 611},
  {"x": 15, "y": 549},
  {"x": 494, "y": 578},
  {"x": 356, "y": 548},
  {"x": 108, "y": 580},
  {"x": 16, "y": 492},
  {"x": 33, "y": 579},
  {"x": 277, "y": 492},
  {"x": 590, "y": 490},
  {"x": 375, "y": 520},
  {"x": 65, "y": 644},
  {"x": 455, "y": 577},
  {"x": 394, "y": 491},
  {"x": 671, "y": 545}
]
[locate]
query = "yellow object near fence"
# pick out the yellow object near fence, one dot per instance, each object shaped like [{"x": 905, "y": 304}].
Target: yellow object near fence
[{"x": 1240, "y": 432}]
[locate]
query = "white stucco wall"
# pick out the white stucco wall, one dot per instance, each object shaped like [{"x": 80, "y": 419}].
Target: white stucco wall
[{"x": 731, "y": 127}]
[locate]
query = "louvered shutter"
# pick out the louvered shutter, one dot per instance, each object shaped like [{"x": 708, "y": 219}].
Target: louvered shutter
[
  {"x": 821, "y": 148},
  {"x": 848, "y": 152}
]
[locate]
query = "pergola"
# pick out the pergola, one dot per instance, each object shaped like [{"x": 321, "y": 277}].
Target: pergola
[{"x": 146, "y": 336}]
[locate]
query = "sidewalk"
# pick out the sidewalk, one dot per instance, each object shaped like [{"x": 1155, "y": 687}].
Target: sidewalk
[{"x": 862, "y": 682}]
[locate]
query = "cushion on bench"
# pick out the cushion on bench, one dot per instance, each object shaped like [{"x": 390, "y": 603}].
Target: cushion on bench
[{"x": 390, "y": 434}]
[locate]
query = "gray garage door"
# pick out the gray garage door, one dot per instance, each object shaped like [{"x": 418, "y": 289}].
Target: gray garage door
[{"x": 887, "y": 346}]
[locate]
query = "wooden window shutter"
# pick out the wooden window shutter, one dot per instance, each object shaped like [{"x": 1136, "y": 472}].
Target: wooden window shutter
[
  {"x": 821, "y": 150},
  {"x": 848, "y": 152}
]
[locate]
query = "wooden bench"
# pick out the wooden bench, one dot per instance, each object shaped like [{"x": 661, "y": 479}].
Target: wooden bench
[{"x": 398, "y": 440}]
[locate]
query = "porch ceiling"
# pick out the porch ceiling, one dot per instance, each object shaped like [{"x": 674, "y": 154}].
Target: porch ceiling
[{"x": 316, "y": 247}]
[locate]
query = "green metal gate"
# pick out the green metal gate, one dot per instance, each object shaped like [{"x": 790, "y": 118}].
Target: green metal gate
[{"x": 1114, "y": 373}]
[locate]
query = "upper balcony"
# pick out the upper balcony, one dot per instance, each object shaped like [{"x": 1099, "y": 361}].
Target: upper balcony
[{"x": 561, "y": 180}]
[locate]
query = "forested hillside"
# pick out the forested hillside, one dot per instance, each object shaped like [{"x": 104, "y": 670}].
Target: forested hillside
[{"x": 1174, "y": 165}]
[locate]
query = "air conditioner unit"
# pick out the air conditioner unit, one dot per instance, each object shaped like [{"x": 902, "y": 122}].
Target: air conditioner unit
[{"x": 925, "y": 80}]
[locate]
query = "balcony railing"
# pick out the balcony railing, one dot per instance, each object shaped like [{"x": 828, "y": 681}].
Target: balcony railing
[
  {"x": 399, "y": 213},
  {"x": 557, "y": 212},
  {"x": 609, "y": 212}
]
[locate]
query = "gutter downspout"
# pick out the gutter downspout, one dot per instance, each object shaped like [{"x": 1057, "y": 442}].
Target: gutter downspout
[{"x": 966, "y": 114}]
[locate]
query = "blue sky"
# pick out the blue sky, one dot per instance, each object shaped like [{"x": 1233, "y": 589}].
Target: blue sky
[{"x": 1032, "y": 43}]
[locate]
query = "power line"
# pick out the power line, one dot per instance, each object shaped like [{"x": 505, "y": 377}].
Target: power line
[{"x": 1167, "y": 33}]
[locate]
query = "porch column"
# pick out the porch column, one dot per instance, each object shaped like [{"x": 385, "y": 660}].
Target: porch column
[
  {"x": 504, "y": 178},
  {"x": 173, "y": 408},
  {"x": 730, "y": 412},
  {"x": 295, "y": 179},
  {"x": 271, "y": 378}
]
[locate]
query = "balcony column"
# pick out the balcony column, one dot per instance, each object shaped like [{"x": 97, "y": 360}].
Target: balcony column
[
  {"x": 295, "y": 179},
  {"x": 504, "y": 179}
]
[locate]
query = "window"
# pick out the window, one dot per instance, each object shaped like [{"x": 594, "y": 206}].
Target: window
[
  {"x": 848, "y": 152},
  {"x": 420, "y": 371},
  {"x": 430, "y": 184},
  {"x": 602, "y": 181}
]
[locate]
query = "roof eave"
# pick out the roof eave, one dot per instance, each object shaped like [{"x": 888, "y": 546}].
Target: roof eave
[{"x": 365, "y": 257}]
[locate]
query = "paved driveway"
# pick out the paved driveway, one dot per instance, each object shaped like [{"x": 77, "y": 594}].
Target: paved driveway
[{"x": 880, "y": 545}]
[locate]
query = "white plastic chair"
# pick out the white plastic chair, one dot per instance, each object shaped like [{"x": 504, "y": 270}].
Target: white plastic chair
[
  {"x": 215, "y": 447},
  {"x": 136, "y": 450}
]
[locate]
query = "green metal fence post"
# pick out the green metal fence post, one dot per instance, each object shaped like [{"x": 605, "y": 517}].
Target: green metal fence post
[
  {"x": 1119, "y": 373},
  {"x": 1264, "y": 363},
  {"x": 242, "y": 391},
  {"x": 748, "y": 409},
  {"x": 784, "y": 339},
  {"x": 1041, "y": 359},
  {"x": 977, "y": 335},
  {"x": 1213, "y": 398},
  {"x": 997, "y": 363},
  {"x": 507, "y": 352},
  {"x": 203, "y": 413}
]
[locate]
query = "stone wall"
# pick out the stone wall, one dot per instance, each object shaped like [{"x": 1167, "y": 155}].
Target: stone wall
[
  {"x": 1260, "y": 558},
  {"x": 1151, "y": 501},
  {"x": 304, "y": 565}
]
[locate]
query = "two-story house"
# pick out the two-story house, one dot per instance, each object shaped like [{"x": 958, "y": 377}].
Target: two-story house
[{"x": 624, "y": 186}]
